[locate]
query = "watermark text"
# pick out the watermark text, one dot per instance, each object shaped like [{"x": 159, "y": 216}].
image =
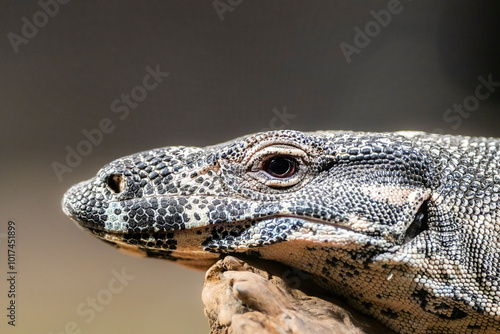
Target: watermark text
[{"x": 121, "y": 107}]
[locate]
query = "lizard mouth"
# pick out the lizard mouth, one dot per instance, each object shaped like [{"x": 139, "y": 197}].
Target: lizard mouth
[
  {"x": 99, "y": 229},
  {"x": 215, "y": 229},
  {"x": 165, "y": 214},
  {"x": 221, "y": 237},
  {"x": 162, "y": 232}
]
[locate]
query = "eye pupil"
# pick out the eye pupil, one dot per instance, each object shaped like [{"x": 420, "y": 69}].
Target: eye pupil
[
  {"x": 116, "y": 183},
  {"x": 281, "y": 167}
]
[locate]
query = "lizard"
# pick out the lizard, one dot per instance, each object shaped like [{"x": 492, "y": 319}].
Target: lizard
[{"x": 404, "y": 225}]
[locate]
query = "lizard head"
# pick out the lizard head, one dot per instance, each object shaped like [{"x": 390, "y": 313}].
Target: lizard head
[
  {"x": 388, "y": 220},
  {"x": 260, "y": 193}
]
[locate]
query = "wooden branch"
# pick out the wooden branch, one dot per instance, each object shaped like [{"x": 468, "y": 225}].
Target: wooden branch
[{"x": 254, "y": 296}]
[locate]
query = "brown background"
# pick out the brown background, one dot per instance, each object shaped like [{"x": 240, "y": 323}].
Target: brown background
[{"x": 226, "y": 77}]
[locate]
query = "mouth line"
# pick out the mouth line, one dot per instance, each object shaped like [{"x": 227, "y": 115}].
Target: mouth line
[
  {"x": 310, "y": 220},
  {"x": 73, "y": 215},
  {"x": 98, "y": 231}
]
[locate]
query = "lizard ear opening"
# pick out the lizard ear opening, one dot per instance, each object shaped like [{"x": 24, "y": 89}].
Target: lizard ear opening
[{"x": 419, "y": 224}]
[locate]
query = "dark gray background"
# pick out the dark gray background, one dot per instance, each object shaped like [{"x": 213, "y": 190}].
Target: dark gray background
[{"x": 226, "y": 77}]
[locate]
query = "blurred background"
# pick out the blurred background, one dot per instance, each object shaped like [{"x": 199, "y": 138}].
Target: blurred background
[{"x": 147, "y": 74}]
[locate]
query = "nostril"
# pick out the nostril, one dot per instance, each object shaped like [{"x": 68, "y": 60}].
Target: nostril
[{"x": 115, "y": 182}]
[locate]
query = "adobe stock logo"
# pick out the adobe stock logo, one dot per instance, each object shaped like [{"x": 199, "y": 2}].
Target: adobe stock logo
[
  {"x": 29, "y": 29},
  {"x": 97, "y": 303},
  {"x": 225, "y": 6},
  {"x": 121, "y": 107},
  {"x": 471, "y": 103},
  {"x": 372, "y": 29},
  {"x": 280, "y": 120}
]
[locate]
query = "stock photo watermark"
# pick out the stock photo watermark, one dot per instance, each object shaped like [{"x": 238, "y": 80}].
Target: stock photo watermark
[
  {"x": 88, "y": 309},
  {"x": 294, "y": 277},
  {"x": 121, "y": 107},
  {"x": 222, "y": 6},
  {"x": 460, "y": 111},
  {"x": 280, "y": 120},
  {"x": 29, "y": 29},
  {"x": 363, "y": 37},
  {"x": 12, "y": 272}
]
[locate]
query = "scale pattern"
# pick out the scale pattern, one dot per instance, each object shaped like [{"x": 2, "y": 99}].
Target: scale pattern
[{"x": 404, "y": 225}]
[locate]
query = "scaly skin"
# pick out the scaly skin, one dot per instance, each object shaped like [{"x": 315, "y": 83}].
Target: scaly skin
[{"x": 405, "y": 225}]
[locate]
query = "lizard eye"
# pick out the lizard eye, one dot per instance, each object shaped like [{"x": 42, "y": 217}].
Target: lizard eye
[
  {"x": 280, "y": 166},
  {"x": 116, "y": 182}
]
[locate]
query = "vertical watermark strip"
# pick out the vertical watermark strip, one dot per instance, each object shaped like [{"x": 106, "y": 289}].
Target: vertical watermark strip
[{"x": 11, "y": 275}]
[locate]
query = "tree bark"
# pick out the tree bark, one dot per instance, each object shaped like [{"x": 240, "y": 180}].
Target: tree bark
[{"x": 256, "y": 296}]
